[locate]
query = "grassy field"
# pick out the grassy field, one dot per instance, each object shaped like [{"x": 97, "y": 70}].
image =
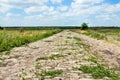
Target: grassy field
[
  {"x": 15, "y": 38},
  {"x": 109, "y": 34}
]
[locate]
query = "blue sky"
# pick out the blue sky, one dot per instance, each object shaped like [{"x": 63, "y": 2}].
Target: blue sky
[{"x": 59, "y": 12}]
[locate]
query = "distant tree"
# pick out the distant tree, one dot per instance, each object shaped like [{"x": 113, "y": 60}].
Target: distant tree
[
  {"x": 1, "y": 28},
  {"x": 84, "y": 26}
]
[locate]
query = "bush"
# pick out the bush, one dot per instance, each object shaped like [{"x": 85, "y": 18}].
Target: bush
[{"x": 84, "y": 26}]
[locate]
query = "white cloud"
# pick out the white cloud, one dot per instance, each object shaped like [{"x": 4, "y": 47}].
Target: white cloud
[
  {"x": 5, "y": 7},
  {"x": 79, "y": 7},
  {"x": 103, "y": 16},
  {"x": 112, "y": 8},
  {"x": 12, "y": 15},
  {"x": 87, "y": 1},
  {"x": 36, "y": 9},
  {"x": 56, "y": 1},
  {"x": 24, "y": 1},
  {"x": 36, "y": 17},
  {"x": 40, "y": 2},
  {"x": 63, "y": 8}
]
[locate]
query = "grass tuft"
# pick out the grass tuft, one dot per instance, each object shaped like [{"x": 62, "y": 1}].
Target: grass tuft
[
  {"x": 99, "y": 72},
  {"x": 93, "y": 59},
  {"x": 52, "y": 73}
]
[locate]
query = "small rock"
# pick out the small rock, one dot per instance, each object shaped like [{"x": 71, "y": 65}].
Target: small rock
[{"x": 55, "y": 53}]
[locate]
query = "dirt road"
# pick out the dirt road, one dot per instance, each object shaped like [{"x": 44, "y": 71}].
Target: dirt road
[{"x": 64, "y": 51}]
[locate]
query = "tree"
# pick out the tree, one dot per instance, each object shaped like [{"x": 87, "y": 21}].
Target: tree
[
  {"x": 84, "y": 26},
  {"x": 1, "y": 28}
]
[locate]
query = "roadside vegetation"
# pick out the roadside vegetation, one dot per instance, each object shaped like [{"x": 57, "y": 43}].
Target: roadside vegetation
[
  {"x": 111, "y": 35},
  {"x": 95, "y": 34},
  {"x": 15, "y": 38}
]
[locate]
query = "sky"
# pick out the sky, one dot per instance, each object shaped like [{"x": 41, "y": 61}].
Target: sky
[{"x": 59, "y": 12}]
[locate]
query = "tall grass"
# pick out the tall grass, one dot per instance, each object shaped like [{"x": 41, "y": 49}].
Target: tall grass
[{"x": 14, "y": 38}]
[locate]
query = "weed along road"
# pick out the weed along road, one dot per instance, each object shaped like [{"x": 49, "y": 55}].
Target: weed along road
[{"x": 64, "y": 56}]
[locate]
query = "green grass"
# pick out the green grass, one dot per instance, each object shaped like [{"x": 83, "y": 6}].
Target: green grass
[
  {"x": 52, "y": 73},
  {"x": 93, "y": 59},
  {"x": 99, "y": 72},
  {"x": 14, "y": 38},
  {"x": 1, "y": 59}
]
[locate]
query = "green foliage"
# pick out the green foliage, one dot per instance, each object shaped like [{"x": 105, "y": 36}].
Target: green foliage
[
  {"x": 84, "y": 26},
  {"x": 52, "y": 73},
  {"x": 99, "y": 72}
]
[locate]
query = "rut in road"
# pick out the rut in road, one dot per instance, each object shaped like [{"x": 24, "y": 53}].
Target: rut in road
[{"x": 62, "y": 52}]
